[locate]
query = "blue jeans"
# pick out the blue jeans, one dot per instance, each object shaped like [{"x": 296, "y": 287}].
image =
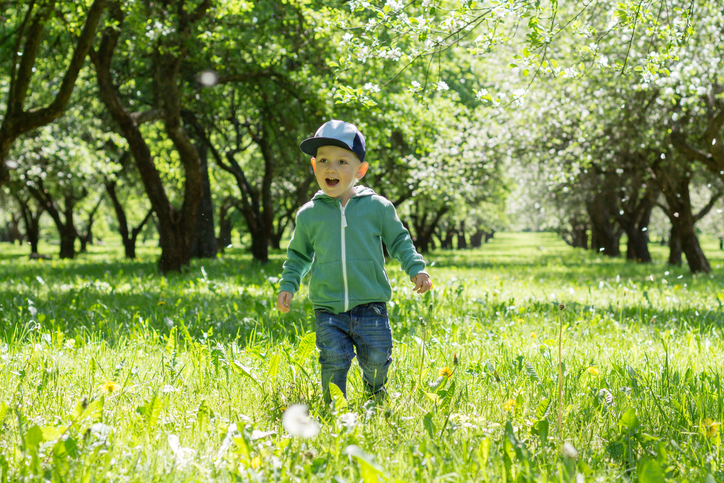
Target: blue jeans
[{"x": 365, "y": 330}]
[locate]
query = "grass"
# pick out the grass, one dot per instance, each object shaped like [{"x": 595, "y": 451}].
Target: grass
[{"x": 111, "y": 372}]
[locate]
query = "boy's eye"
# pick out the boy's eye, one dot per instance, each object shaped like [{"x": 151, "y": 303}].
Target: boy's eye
[{"x": 342, "y": 161}]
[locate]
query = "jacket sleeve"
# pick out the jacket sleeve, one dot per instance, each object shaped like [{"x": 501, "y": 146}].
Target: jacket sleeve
[
  {"x": 398, "y": 242},
  {"x": 300, "y": 254}
]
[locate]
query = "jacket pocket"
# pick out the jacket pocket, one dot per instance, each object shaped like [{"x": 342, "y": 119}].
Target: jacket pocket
[
  {"x": 326, "y": 284},
  {"x": 366, "y": 281}
]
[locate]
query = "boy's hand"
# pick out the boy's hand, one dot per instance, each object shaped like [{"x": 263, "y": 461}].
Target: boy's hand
[
  {"x": 422, "y": 283},
  {"x": 283, "y": 300}
]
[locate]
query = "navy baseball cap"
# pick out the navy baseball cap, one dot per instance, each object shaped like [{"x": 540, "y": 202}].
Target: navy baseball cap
[{"x": 336, "y": 133}]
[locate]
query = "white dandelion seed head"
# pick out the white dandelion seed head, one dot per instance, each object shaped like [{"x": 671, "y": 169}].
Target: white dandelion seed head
[
  {"x": 208, "y": 78},
  {"x": 297, "y": 423},
  {"x": 348, "y": 420},
  {"x": 183, "y": 455},
  {"x": 569, "y": 451}
]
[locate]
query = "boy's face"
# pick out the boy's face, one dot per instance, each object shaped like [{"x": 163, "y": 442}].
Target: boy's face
[{"x": 337, "y": 170}]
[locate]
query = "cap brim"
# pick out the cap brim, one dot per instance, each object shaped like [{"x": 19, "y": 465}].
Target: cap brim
[{"x": 310, "y": 145}]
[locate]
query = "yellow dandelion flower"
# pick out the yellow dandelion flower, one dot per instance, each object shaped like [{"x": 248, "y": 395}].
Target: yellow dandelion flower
[
  {"x": 256, "y": 462},
  {"x": 110, "y": 387},
  {"x": 592, "y": 370},
  {"x": 509, "y": 405},
  {"x": 710, "y": 427},
  {"x": 532, "y": 334},
  {"x": 446, "y": 372}
]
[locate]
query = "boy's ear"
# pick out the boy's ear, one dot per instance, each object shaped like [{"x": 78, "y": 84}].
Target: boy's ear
[
  {"x": 362, "y": 170},
  {"x": 314, "y": 164}
]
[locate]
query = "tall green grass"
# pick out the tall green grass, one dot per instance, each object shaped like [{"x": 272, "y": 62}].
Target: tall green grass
[{"x": 112, "y": 372}]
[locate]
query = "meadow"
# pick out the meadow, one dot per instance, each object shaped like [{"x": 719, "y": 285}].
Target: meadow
[{"x": 112, "y": 372}]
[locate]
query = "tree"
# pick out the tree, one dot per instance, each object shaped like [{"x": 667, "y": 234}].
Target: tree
[
  {"x": 30, "y": 32},
  {"x": 160, "y": 66}
]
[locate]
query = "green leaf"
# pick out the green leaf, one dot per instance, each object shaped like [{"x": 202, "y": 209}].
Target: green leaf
[
  {"x": 240, "y": 368},
  {"x": 3, "y": 411},
  {"x": 151, "y": 411},
  {"x": 306, "y": 346},
  {"x": 629, "y": 420},
  {"x": 274, "y": 366},
  {"x": 340, "y": 402},
  {"x": 203, "y": 415},
  {"x": 51, "y": 433},
  {"x": 650, "y": 471},
  {"x": 540, "y": 429},
  {"x": 531, "y": 371},
  {"x": 429, "y": 425},
  {"x": 33, "y": 437},
  {"x": 542, "y": 408}
]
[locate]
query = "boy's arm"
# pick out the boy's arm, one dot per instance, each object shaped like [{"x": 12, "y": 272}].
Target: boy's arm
[
  {"x": 399, "y": 244},
  {"x": 300, "y": 254}
]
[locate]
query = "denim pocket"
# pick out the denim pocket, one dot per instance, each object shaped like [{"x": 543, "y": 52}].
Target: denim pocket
[{"x": 373, "y": 309}]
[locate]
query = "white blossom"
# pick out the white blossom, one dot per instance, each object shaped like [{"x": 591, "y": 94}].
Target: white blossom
[
  {"x": 372, "y": 87},
  {"x": 481, "y": 94},
  {"x": 441, "y": 86},
  {"x": 394, "y": 5},
  {"x": 416, "y": 87}
]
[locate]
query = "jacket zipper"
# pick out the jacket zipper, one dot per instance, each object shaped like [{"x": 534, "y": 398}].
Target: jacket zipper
[{"x": 344, "y": 258}]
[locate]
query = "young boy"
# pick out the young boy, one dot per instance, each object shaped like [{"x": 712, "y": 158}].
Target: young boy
[{"x": 339, "y": 236}]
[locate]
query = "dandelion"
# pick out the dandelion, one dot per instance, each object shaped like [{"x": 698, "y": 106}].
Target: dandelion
[
  {"x": 592, "y": 370},
  {"x": 446, "y": 372},
  {"x": 710, "y": 428},
  {"x": 532, "y": 334},
  {"x": 569, "y": 451},
  {"x": 509, "y": 405},
  {"x": 110, "y": 387},
  {"x": 183, "y": 455},
  {"x": 208, "y": 78},
  {"x": 348, "y": 420},
  {"x": 297, "y": 422}
]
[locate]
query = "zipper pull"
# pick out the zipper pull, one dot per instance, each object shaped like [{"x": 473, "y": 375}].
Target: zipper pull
[{"x": 344, "y": 218}]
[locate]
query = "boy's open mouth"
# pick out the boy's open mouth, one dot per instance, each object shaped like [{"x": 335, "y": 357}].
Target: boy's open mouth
[{"x": 331, "y": 182}]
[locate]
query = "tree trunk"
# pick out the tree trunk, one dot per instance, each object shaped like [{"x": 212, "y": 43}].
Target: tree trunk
[
  {"x": 225, "y": 225},
  {"x": 462, "y": 242},
  {"x": 176, "y": 225},
  {"x": 31, "y": 218},
  {"x": 128, "y": 237},
  {"x": 67, "y": 239},
  {"x": 87, "y": 237},
  {"x": 205, "y": 245},
  {"x": 476, "y": 239},
  {"x": 674, "y": 248},
  {"x": 605, "y": 239}
]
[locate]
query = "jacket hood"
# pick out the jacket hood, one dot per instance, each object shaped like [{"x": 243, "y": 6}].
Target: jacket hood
[{"x": 358, "y": 191}]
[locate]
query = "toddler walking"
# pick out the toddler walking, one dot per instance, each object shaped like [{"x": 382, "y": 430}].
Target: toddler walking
[{"x": 339, "y": 236}]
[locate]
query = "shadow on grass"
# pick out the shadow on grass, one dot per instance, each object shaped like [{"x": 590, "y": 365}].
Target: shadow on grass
[{"x": 101, "y": 296}]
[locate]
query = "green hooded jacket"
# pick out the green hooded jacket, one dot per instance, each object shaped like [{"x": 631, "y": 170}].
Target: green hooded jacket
[{"x": 343, "y": 248}]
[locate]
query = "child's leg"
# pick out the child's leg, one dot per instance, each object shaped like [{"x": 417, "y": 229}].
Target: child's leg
[
  {"x": 336, "y": 350},
  {"x": 373, "y": 338}
]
